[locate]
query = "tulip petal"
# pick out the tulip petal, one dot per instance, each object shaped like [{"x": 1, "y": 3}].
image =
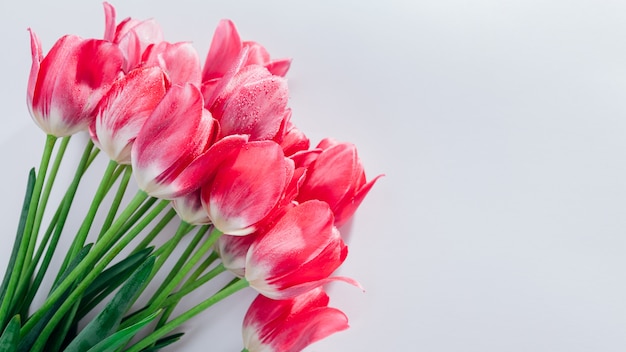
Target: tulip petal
[
  {"x": 179, "y": 60},
  {"x": 172, "y": 137},
  {"x": 292, "y": 324},
  {"x": 125, "y": 108},
  {"x": 253, "y": 103},
  {"x": 203, "y": 168},
  {"x": 349, "y": 206},
  {"x": 109, "y": 21},
  {"x": 299, "y": 252},
  {"x": 246, "y": 188},
  {"x": 37, "y": 56},
  {"x": 279, "y": 67},
  {"x": 225, "y": 48}
]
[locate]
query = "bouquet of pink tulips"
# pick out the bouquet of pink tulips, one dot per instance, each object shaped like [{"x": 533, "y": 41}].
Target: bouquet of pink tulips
[{"x": 212, "y": 147}]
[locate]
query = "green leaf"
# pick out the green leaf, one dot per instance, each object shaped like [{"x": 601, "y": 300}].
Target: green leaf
[
  {"x": 107, "y": 322},
  {"x": 28, "y": 339},
  {"x": 166, "y": 341},
  {"x": 11, "y": 335},
  {"x": 18, "y": 237},
  {"x": 120, "y": 338},
  {"x": 109, "y": 280}
]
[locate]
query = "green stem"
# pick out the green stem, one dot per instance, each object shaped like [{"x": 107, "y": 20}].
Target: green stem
[
  {"x": 172, "y": 301},
  {"x": 92, "y": 274},
  {"x": 90, "y": 259},
  {"x": 190, "y": 286},
  {"x": 166, "y": 250},
  {"x": 83, "y": 231},
  {"x": 34, "y": 204},
  {"x": 157, "y": 229},
  {"x": 174, "y": 323},
  {"x": 176, "y": 268},
  {"x": 46, "y": 192},
  {"x": 157, "y": 300},
  {"x": 139, "y": 213},
  {"x": 132, "y": 225},
  {"x": 117, "y": 200}
]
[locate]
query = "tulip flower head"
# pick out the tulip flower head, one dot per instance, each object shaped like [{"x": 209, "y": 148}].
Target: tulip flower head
[
  {"x": 132, "y": 36},
  {"x": 290, "y": 325},
  {"x": 65, "y": 86},
  {"x": 246, "y": 187},
  {"x": 298, "y": 253},
  {"x": 336, "y": 176},
  {"x": 177, "y": 132},
  {"x": 125, "y": 108}
]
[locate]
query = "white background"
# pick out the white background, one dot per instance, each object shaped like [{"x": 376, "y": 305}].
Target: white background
[{"x": 499, "y": 125}]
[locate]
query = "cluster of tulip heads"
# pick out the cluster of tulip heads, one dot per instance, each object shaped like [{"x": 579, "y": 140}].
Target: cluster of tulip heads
[{"x": 218, "y": 141}]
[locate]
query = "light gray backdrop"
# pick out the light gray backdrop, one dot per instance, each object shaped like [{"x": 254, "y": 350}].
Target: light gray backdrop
[{"x": 500, "y": 126}]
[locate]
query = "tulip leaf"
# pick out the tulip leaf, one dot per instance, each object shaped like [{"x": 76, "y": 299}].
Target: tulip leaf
[
  {"x": 11, "y": 335},
  {"x": 107, "y": 322},
  {"x": 32, "y": 335},
  {"x": 109, "y": 280},
  {"x": 166, "y": 341},
  {"x": 120, "y": 338},
  {"x": 18, "y": 237}
]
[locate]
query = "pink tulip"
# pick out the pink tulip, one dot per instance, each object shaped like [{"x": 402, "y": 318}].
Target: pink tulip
[
  {"x": 290, "y": 325},
  {"x": 246, "y": 187},
  {"x": 226, "y": 47},
  {"x": 254, "y": 102},
  {"x": 228, "y": 54},
  {"x": 258, "y": 55},
  {"x": 293, "y": 140},
  {"x": 297, "y": 253},
  {"x": 336, "y": 176},
  {"x": 132, "y": 36},
  {"x": 189, "y": 208},
  {"x": 65, "y": 86},
  {"x": 125, "y": 108},
  {"x": 233, "y": 251},
  {"x": 177, "y": 132},
  {"x": 180, "y": 61}
]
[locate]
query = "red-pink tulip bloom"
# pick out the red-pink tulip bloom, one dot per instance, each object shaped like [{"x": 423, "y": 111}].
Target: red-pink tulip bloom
[
  {"x": 336, "y": 177},
  {"x": 132, "y": 36},
  {"x": 65, "y": 86},
  {"x": 233, "y": 251},
  {"x": 290, "y": 325},
  {"x": 125, "y": 108},
  {"x": 189, "y": 208},
  {"x": 179, "y": 61},
  {"x": 254, "y": 102},
  {"x": 297, "y": 253},
  {"x": 293, "y": 140},
  {"x": 246, "y": 186},
  {"x": 177, "y": 132},
  {"x": 227, "y": 46}
]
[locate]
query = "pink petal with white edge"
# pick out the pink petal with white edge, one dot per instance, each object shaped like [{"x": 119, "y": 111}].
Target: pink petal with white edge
[
  {"x": 292, "y": 324},
  {"x": 109, "y": 21},
  {"x": 246, "y": 188},
  {"x": 177, "y": 132},
  {"x": 37, "y": 56},
  {"x": 233, "y": 250},
  {"x": 298, "y": 253},
  {"x": 179, "y": 60},
  {"x": 71, "y": 80},
  {"x": 205, "y": 166},
  {"x": 124, "y": 109},
  {"x": 225, "y": 48},
  {"x": 189, "y": 209},
  {"x": 253, "y": 103}
]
